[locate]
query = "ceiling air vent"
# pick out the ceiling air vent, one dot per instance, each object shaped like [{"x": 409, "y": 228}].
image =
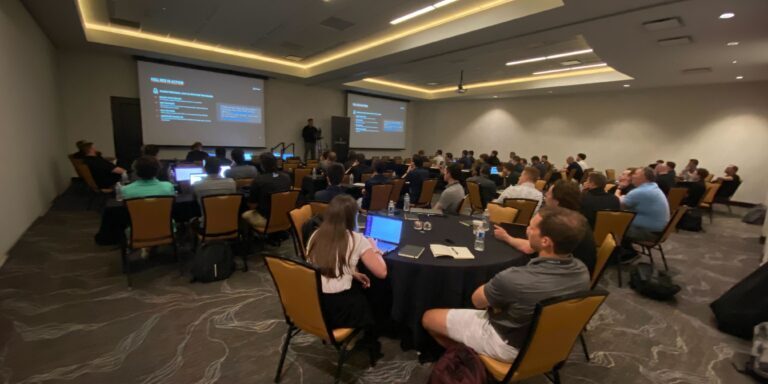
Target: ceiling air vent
[
  {"x": 336, "y": 23},
  {"x": 675, "y": 41},
  {"x": 695, "y": 71},
  {"x": 663, "y": 24}
]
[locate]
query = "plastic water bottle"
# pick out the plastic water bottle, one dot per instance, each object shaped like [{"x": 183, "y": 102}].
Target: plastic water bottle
[
  {"x": 119, "y": 192},
  {"x": 486, "y": 221},
  {"x": 480, "y": 241},
  {"x": 391, "y": 208},
  {"x": 407, "y": 203}
]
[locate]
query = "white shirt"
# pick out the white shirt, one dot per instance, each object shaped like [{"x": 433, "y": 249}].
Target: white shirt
[
  {"x": 521, "y": 191},
  {"x": 583, "y": 165},
  {"x": 357, "y": 245},
  {"x": 438, "y": 160}
]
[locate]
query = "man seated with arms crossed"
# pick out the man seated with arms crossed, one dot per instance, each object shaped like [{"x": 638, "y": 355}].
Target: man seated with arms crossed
[
  {"x": 147, "y": 168},
  {"x": 525, "y": 189},
  {"x": 452, "y": 196},
  {"x": 262, "y": 188},
  {"x": 213, "y": 184},
  {"x": 334, "y": 174},
  {"x": 487, "y": 186},
  {"x": 505, "y": 305},
  {"x": 104, "y": 173},
  {"x": 241, "y": 169}
]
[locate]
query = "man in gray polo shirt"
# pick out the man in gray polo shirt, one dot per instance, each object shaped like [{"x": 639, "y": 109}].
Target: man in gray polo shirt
[
  {"x": 505, "y": 305},
  {"x": 451, "y": 198}
]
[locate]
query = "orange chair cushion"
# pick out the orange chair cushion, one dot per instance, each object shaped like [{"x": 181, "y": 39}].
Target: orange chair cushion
[
  {"x": 497, "y": 368},
  {"x": 340, "y": 334}
]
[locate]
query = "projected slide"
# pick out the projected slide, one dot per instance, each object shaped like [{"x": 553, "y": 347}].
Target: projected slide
[
  {"x": 182, "y": 105},
  {"x": 376, "y": 122}
]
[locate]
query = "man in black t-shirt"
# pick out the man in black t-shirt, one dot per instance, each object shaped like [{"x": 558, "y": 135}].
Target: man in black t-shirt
[
  {"x": 104, "y": 173},
  {"x": 310, "y": 135},
  {"x": 415, "y": 177},
  {"x": 595, "y": 198},
  {"x": 196, "y": 153},
  {"x": 262, "y": 188},
  {"x": 574, "y": 167}
]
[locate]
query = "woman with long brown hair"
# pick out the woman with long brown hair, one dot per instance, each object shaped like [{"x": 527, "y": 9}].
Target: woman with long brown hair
[{"x": 335, "y": 249}]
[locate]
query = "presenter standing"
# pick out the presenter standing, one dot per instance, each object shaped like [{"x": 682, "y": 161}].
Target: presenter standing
[{"x": 310, "y": 134}]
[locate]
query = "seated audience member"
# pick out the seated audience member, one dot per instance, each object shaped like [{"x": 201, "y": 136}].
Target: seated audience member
[
  {"x": 487, "y": 186},
  {"x": 573, "y": 169},
  {"x": 334, "y": 174},
  {"x": 517, "y": 162},
  {"x": 730, "y": 175},
  {"x": 80, "y": 150},
  {"x": 510, "y": 174},
  {"x": 664, "y": 179},
  {"x": 415, "y": 176},
  {"x": 421, "y": 153},
  {"x": 624, "y": 183},
  {"x": 336, "y": 249},
  {"x": 538, "y": 164},
  {"x": 326, "y": 159},
  {"x": 196, "y": 154},
  {"x": 438, "y": 159},
  {"x": 493, "y": 159},
  {"x": 104, "y": 173},
  {"x": 581, "y": 159},
  {"x": 465, "y": 160},
  {"x": 671, "y": 166},
  {"x": 696, "y": 188},
  {"x": 449, "y": 158},
  {"x": 728, "y": 183},
  {"x": 545, "y": 160},
  {"x": 379, "y": 167},
  {"x": 471, "y": 156},
  {"x": 221, "y": 154},
  {"x": 689, "y": 172},
  {"x": 505, "y": 305},
  {"x": 524, "y": 161},
  {"x": 484, "y": 158},
  {"x": 152, "y": 151},
  {"x": 649, "y": 204},
  {"x": 351, "y": 158},
  {"x": 262, "y": 188},
  {"x": 213, "y": 184},
  {"x": 565, "y": 195},
  {"x": 241, "y": 169},
  {"x": 525, "y": 188},
  {"x": 453, "y": 195},
  {"x": 512, "y": 156},
  {"x": 595, "y": 198},
  {"x": 359, "y": 168},
  {"x": 147, "y": 168}
]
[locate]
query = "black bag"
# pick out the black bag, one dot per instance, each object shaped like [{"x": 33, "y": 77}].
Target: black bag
[
  {"x": 755, "y": 215},
  {"x": 743, "y": 306},
  {"x": 458, "y": 365},
  {"x": 691, "y": 221},
  {"x": 652, "y": 283},
  {"x": 212, "y": 262}
]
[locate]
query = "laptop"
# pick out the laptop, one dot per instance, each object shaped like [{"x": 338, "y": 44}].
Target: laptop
[
  {"x": 385, "y": 230},
  {"x": 196, "y": 178},
  {"x": 494, "y": 170},
  {"x": 224, "y": 169},
  {"x": 248, "y": 156},
  {"x": 183, "y": 173}
]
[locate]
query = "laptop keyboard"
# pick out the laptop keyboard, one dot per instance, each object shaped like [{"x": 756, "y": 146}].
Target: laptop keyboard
[{"x": 386, "y": 247}]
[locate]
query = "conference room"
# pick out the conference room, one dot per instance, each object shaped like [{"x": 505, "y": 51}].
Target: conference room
[{"x": 455, "y": 191}]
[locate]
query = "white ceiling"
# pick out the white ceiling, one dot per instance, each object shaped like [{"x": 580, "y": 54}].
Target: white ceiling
[{"x": 613, "y": 28}]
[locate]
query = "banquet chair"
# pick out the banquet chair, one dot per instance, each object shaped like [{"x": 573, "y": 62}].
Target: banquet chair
[
  {"x": 298, "y": 177},
  {"x": 365, "y": 177},
  {"x": 290, "y": 167},
  {"x": 97, "y": 194},
  {"x": 540, "y": 184},
  {"x": 475, "y": 199},
  {"x": 427, "y": 190},
  {"x": 675, "y": 196},
  {"x": 610, "y": 174},
  {"x": 151, "y": 225},
  {"x": 243, "y": 183},
  {"x": 380, "y": 197},
  {"x": 345, "y": 180},
  {"x": 647, "y": 246},
  {"x": 298, "y": 286},
  {"x": 498, "y": 214},
  {"x": 608, "y": 187},
  {"x": 397, "y": 188},
  {"x": 280, "y": 204},
  {"x": 221, "y": 215},
  {"x": 312, "y": 164},
  {"x": 318, "y": 207},
  {"x": 725, "y": 192},
  {"x": 604, "y": 252},
  {"x": 709, "y": 198},
  {"x": 525, "y": 209},
  {"x": 557, "y": 323},
  {"x": 614, "y": 223},
  {"x": 298, "y": 217}
]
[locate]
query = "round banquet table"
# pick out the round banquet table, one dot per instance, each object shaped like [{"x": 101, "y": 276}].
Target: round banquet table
[{"x": 429, "y": 282}]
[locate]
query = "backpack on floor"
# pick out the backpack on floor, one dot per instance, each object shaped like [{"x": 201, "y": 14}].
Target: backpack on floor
[
  {"x": 743, "y": 306},
  {"x": 755, "y": 215},
  {"x": 691, "y": 221},
  {"x": 212, "y": 262},
  {"x": 652, "y": 283},
  {"x": 458, "y": 365},
  {"x": 757, "y": 365}
]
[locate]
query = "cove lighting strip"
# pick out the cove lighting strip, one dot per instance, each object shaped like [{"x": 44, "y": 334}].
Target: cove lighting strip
[
  {"x": 542, "y": 58},
  {"x": 422, "y": 11},
  {"x": 570, "y": 69}
]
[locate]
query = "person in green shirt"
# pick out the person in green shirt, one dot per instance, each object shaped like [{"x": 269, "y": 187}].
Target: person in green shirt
[{"x": 147, "y": 169}]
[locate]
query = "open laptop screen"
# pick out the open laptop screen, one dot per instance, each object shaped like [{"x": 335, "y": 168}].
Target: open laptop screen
[
  {"x": 384, "y": 228},
  {"x": 183, "y": 173}
]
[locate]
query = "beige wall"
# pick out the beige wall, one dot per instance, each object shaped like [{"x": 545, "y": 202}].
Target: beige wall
[
  {"x": 31, "y": 142},
  {"x": 89, "y": 79},
  {"x": 718, "y": 124}
]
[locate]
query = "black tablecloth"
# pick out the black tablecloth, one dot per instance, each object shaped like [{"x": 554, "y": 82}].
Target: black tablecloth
[
  {"x": 114, "y": 217},
  {"x": 429, "y": 282}
]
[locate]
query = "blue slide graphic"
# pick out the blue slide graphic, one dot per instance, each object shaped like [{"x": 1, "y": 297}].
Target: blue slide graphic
[{"x": 233, "y": 113}]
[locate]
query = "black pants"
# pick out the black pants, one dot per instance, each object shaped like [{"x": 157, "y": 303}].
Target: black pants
[{"x": 309, "y": 151}]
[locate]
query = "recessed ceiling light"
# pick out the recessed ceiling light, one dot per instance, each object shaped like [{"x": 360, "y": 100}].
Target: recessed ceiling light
[
  {"x": 555, "y": 56},
  {"x": 433, "y": 83},
  {"x": 734, "y": 62},
  {"x": 421, "y": 11},
  {"x": 739, "y": 77},
  {"x": 495, "y": 97},
  {"x": 727, "y": 15},
  {"x": 570, "y": 68},
  {"x": 627, "y": 85},
  {"x": 732, "y": 43}
]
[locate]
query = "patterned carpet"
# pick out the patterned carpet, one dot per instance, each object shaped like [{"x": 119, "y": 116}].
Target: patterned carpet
[{"x": 67, "y": 317}]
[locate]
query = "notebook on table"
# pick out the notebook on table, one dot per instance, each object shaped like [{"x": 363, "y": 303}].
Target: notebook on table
[
  {"x": 385, "y": 230},
  {"x": 425, "y": 211},
  {"x": 411, "y": 251},
  {"x": 462, "y": 253}
]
